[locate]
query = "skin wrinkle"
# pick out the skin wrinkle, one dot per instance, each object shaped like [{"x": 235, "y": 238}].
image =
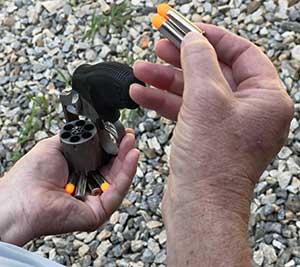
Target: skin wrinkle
[
  {"x": 264, "y": 116},
  {"x": 173, "y": 82},
  {"x": 106, "y": 214},
  {"x": 225, "y": 68},
  {"x": 24, "y": 214},
  {"x": 213, "y": 220},
  {"x": 45, "y": 182},
  {"x": 225, "y": 197},
  {"x": 246, "y": 76},
  {"x": 188, "y": 112},
  {"x": 244, "y": 85},
  {"x": 227, "y": 142},
  {"x": 10, "y": 226},
  {"x": 213, "y": 82},
  {"x": 239, "y": 55},
  {"x": 219, "y": 141}
]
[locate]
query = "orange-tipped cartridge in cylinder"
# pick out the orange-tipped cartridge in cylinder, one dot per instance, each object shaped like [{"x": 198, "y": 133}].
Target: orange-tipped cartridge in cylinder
[
  {"x": 104, "y": 187},
  {"x": 167, "y": 30},
  {"x": 177, "y": 20},
  {"x": 70, "y": 187},
  {"x": 103, "y": 184},
  {"x": 81, "y": 187}
]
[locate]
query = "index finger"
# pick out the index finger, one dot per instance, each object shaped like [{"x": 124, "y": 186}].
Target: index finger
[{"x": 250, "y": 66}]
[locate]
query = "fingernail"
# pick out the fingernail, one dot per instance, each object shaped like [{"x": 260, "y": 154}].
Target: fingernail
[
  {"x": 138, "y": 62},
  {"x": 137, "y": 153},
  {"x": 136, "y": 86}
]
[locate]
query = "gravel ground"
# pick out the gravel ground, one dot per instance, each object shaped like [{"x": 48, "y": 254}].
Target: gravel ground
[{"x": 42, "y": 42}]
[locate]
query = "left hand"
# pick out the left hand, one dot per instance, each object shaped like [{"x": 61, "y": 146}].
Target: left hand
[{"x": 33, "y": 201}]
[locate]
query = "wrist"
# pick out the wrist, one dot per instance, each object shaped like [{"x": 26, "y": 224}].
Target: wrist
[
  {"x": 225, "y": 193},
  {"x": 202, "y": 216},
  {"x": 13, "y": 224},
  {"x": 207, "y": 235}
]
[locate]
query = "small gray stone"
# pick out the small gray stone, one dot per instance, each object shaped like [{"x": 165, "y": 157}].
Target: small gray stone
[
  {"x": 38, "y": 68},
  {"x": 11, "y": 7},
  {"x": 86, "y": 261},
  {"x": 295, "y": 185},
  {"x": 260, "y": 187},
  {"x": 253, "y": 6},
  {"x": 90, "y": 55},
  {"x": 160, "y": 257},
  {"x": 285, "y": 152},
  {"x": 268, "y": 199},
  {"x": 40, "y": 135},
  {"x": 77, "y": 244},
  {"x": 153, "y": 202},
  {"x": 59, "y": 242},
  {"x": 83, "y": 250},
  {"x": 114, "y": 218},
  {"x": 137, "y": 245},
  {"x": 162, "y": 237},
  {"x": 296, "y": 52},
  {"x": 154, "y": 224},
  {"x": 104, "y": 52},
  {"x": 123, "y": 218},
  {"x": 294, "y": 13},
  {"x": 291, "y": 26},
  {"x": 153, "y": 246},
  {"x": 296, "y": 251},
  {"x": 53, "y": 5},
  {"x": 258, "y": 257},
  {"x": 273, "y": 227},
  {"x": 148, "y": 256},
  {"x": 268, "y": 209},
  {"x": 277, "y": 244},
  {"x": 91, "y": 236},
  {"x": 117, "y": 251},
  {"x": 284, "y": 179},
  {"x": 104, "y": 234},
  {"x": 269, "y": 253},
  {"x": 103, "y": 248},
  {"x": 4, "y": 80},
  {"x": 291, "y": 263},
  {"x": 82, "y": 235},
  {"x": 293, "y": 203},
  {"x": 281, "y": 215},
  {"x": 68, "y": 45}
]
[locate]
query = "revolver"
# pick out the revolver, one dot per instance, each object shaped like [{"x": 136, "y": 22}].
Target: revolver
[{"x": 92, "y": 133}]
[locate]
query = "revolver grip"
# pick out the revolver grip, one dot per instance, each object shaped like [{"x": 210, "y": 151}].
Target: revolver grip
[{"x": 106, "y": 87}]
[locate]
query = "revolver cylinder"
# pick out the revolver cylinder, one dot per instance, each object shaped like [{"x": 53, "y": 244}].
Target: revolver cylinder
[{"x": 81, "y": 147}]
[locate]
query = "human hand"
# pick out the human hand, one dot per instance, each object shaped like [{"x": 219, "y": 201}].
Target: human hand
[
  {"x": 233, "y": 117},
  {"x": 233, "y": 113},
  {"x": 33, "y": 200}
]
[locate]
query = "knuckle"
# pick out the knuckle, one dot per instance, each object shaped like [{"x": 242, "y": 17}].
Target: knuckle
[{"x": 199, "y": 47}]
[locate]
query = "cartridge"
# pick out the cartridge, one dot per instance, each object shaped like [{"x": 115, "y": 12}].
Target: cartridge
[{"x": 173, "y": 25}]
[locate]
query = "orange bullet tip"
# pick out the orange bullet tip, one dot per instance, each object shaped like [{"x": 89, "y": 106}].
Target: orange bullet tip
[
  {"x": 104, "y": 187},
  {"x": 70, "y": 189},
  {"x": 163, "y": 9},
  {"x": 157, "y": 21}
]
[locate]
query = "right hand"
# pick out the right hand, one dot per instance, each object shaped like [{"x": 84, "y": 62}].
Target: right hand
[{"x": 233, "y": 116}]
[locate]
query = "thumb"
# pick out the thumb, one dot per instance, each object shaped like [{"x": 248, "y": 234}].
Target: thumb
[{"x": 200, "y": 63}]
